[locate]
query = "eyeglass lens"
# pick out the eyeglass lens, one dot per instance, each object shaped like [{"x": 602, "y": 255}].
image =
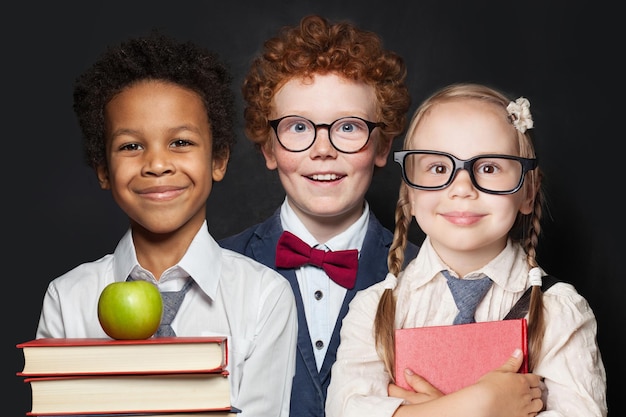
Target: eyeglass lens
[
  {"x": 435, "y": 171},
  {"x": 348, "y": 134}
]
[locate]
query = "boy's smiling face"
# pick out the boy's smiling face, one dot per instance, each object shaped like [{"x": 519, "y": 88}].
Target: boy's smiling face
[
  {"x": 159, "y": 155},
  {"x": 325, "y": 186}
]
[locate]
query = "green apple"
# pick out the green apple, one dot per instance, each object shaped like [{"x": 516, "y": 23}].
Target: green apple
[{"x": 130, "y": 309}]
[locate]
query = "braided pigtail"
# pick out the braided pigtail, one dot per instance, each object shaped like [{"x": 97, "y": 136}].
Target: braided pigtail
[
  {"x": 395, "y": 260},
  {"x": 384, "y": 322},
  {"x": 536, "y": 321}
]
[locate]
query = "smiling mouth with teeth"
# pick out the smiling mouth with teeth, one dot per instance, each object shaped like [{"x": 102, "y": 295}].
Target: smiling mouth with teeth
[{"x": 325, "y": 177}]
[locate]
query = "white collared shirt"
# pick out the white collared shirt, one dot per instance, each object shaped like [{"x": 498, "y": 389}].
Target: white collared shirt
[
  {"x": 234, "y": 296},
  {"x": 321, "y": 296},
  {"x": 570, "y": 360}
]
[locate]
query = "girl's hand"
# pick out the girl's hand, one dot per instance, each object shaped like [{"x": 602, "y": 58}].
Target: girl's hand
[
  {"x": 501, "y": 392},
  {"x": 422, "y": 389},
  {"x": 520, "y": 394}
]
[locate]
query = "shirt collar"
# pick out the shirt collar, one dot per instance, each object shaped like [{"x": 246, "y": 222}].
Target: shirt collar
[
  {"x": 125, "y": 258},
  {"x": 202, "y": 262},
  {"x": 351, "y": 238},
  {"x": 508, "y": 269}
]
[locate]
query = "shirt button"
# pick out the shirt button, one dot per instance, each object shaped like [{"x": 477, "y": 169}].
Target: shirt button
[
  {"x": 319, "y": 344},
  {"x": 319, "y": 295}
]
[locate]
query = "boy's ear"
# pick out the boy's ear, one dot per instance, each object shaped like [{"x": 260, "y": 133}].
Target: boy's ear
[
  {"x": 270, "y": 159},
  {"x": 103, "y": 177},
  {"x": 382, "y": 152},
  {"x": 219, "y": 166}
]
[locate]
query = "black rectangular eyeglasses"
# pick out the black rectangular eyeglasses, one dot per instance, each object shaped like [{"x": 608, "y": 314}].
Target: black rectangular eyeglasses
[{"x": 492, "y": 173}]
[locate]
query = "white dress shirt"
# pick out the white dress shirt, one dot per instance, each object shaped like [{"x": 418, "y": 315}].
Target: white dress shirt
[
  {"x": 322, "y": 297},
  {"x": 570, "y": 360},
  {"x": 234, "y": 296}
]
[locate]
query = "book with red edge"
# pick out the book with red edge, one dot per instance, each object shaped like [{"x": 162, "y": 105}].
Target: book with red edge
[
  {"x": 454, "y": 356},
  {"x": 88, "y": 356},
  {"x": 139, "y": 393},
  {"x": 233, "y": 412}
]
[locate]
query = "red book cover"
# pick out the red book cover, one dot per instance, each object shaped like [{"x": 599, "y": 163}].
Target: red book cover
[
  {"x": 454, "y": 356},
  {"x": 86, "y": 356}
]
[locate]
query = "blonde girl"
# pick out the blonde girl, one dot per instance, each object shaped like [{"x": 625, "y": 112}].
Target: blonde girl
[{"x": 472, "y": 182}]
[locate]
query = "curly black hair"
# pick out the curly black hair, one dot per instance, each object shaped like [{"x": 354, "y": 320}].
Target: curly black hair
[{"x": 154, "y": 57}]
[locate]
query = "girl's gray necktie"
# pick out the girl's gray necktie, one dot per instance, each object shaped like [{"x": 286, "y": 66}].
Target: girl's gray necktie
[{"x": 467, "y": 295}]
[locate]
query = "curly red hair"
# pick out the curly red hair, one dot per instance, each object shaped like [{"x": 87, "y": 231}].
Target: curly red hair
[{"x": 316, "y": 46}]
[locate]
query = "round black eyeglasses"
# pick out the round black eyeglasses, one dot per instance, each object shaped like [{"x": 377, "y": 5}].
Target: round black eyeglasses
[{"x": 346, "y": 134}]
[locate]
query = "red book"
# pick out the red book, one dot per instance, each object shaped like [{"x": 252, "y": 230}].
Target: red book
[
  {"x": 84, "y": 356},
  {"x": 452, "y": 357}
]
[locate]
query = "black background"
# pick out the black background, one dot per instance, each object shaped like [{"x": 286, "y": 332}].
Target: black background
[{"x": 562, "y": 55}]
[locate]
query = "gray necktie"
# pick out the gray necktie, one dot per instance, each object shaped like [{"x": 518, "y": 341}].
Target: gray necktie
[
  {"x": 171, "y": 303},
  {"x": 467, "y": 294}
]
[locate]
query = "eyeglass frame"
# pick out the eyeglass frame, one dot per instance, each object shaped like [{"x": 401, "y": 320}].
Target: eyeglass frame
[
  {"x": 370, "y": 126},
  {"x": 528, "y": 164}
]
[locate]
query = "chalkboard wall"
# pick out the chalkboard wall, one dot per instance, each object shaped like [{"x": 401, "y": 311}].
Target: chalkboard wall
[{"x": 562, "y": 55}]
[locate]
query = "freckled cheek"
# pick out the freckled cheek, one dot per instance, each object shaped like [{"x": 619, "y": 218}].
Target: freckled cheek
[
  {"x": 288, "y": 163},
  {"x": 362, "y": 162}
]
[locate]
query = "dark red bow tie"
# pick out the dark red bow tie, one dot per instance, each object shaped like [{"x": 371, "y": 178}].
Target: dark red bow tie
[{"x": 341, "y": 265}]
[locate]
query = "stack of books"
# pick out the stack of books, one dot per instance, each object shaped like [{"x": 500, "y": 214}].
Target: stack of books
[{"x": 172, "y": 376}]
